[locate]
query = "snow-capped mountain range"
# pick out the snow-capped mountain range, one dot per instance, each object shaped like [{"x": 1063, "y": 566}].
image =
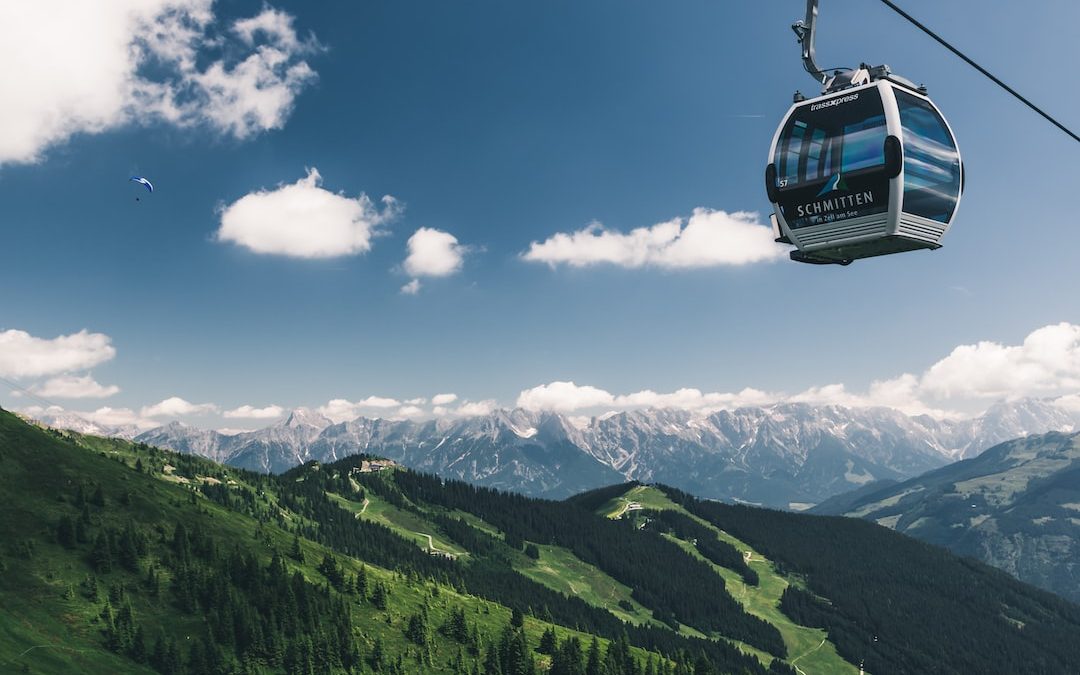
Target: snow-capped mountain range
[{"x": 787, "y": 455}]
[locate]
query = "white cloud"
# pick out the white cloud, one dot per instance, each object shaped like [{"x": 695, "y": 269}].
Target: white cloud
[
  {"x": 275, "y": 24},
  {"x": 563, "y": 397},
  {"x": 253, "y": 413},
  {"x": 433, "y": 253},
  {"x": 409, "y": 412},
  {"x": 1069, "y": 402},
  {"x": 378, "y": 402},
  {"x": 102, "y": 417},
  {"x": 304, "y": 220},
  {"x": 1046, "y": 363},
  {"x": 118, "y": 417},
  {"x": 232, "y": 431},
  {"x": 710, "y": 238},
  {"x": 567, "y": 397},
  {"x": 694, "y": 399},
  {"x": 23, "y": 355},
  {"x": 343, "y": 410},
  {"x": 175, "y": 406},
  {"x": 86, "y": 67},
  {"x": 467, "y": 409},
  {"x": 443, "y": 399},
  {"x": 416, "y": 401},
  {"x": 476, "y": 408},
  {"x": 74, "y": 386},
  {"x": 411, "y": 288},
  {"x": 339, "y": 410}
]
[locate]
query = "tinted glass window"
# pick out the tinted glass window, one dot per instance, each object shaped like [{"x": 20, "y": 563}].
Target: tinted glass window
[
  {"x": 842, "y": 134},
  {"x": 931, "y": 162}
]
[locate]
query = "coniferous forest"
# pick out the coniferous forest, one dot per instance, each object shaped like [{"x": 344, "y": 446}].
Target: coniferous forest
[{"x": 123, "y": 558}]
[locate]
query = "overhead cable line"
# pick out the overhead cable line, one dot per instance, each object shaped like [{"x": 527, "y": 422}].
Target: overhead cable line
[{"x": 982, "y": 70}]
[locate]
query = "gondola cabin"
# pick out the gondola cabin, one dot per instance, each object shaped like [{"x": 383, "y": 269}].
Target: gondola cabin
[{"x": 863, "y": 171}]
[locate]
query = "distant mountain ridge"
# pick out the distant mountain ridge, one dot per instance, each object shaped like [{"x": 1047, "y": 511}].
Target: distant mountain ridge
[
  {"x": 786, "y": 455},
  {"x": 1015, "y": 506}
]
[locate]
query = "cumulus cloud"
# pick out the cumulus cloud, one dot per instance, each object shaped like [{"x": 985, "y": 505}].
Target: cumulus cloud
[
  {"x": 304, "y": 220},
  {"x": 175, "y": 406},
  {"x": 443, "y": 399},
  {"x": 466, "y": 409},
  {"x": 253, "y": 413},
  {"x": 87, "y": 67},
  {"x": 74, "y": 386},
  {"x": 102, "y": 417},
  {"x": 433, "y": 253},
  {"x": 118, "y": 417},
  {"x": 1069, "y": 402},
  {"x": 568, "y": 397},
  {"x": 411, "y": 288},
  {"x": 1046, "y": 363},
  {"x": 694, "y": 399},
  {"x": 343, "y": 410},
  {"x": 23, "y": 355},
  {"x": 709, "y": 238},
  {"x": 476, "y": 408},
  {"x": 563, "y": 397},
  {"x": 409, "y": 412},
  {"x": 232, "y": 431}
]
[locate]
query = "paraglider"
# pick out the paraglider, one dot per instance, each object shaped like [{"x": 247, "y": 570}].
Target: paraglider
[{"x": 142, "y": 181}]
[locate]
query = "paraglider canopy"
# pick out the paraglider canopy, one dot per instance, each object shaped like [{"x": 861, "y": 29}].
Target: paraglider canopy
[{"x": 142, "y": 181}]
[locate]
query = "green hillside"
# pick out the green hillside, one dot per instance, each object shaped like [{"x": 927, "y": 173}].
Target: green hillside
[
  {"x": 123, "y": 558},
  {"x": 1016, "y": 507}
]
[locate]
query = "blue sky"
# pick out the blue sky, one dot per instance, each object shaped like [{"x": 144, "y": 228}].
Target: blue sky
[{"x": 504, "y": 124}]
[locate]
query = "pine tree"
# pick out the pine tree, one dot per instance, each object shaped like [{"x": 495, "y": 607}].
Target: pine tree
[
  {"x": 456, "y": 627},
  {"x": 362, "y": 583},
  {"x": 493, "y": 664},
  {"x": 101, "y": 555},
  {"x": 377, "y": 657},
  {"x": 417, "y": 630},
  {"x": 378, "y": 596},
  {"x": 594, "y": 666},
  {"x": 138, "y": 646},
  {"x": 82, "y": 531},
  {"x": 128, "y": 549},
  {"x": 547, "y": 642},
  {"x": 65, "y": 532},
  {"x": 296, "y": 553}
]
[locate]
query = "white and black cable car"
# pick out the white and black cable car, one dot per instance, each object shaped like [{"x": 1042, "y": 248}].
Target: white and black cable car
[{"x": 868, "y": 168}]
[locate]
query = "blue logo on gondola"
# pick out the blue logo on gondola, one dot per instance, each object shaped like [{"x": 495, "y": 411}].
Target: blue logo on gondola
[{"x": 835, "y": 183}]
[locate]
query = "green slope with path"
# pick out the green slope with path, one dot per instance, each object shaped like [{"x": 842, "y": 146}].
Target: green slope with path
[{"x": 809, "y": 648}]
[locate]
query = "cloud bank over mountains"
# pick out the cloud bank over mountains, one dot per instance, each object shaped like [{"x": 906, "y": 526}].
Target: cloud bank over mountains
[{"x": 1046, "y": 364}]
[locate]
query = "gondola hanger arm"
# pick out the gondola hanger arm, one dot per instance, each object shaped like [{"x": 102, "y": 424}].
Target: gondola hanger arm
[{"x": 805, "y": 31}]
